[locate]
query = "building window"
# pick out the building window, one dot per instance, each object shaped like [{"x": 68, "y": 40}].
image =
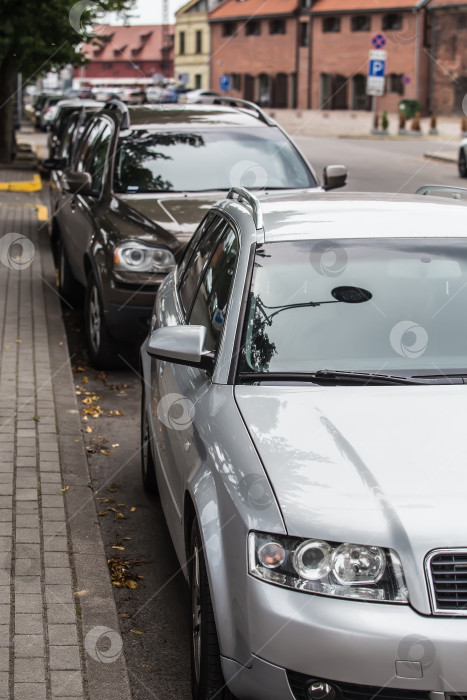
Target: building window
[
  {"x": 199, "y": 41},
  {"x": 253, "y": 28},
  {"x": 392, "y": 21},
  {"x": 331, "y": 24},
  {"x": 277, "y": 26},
  {"x": 229, "y": 29},
  {"x": 304, "y": 34},
  {"x": 236, "y": 79},
  {"x": 198, "y": 82},
  {"x": 181, "y": 43},
  {"x": 395, "y": 83},
  {"x": 361, "y": 23},
  {"x": 108, "y": 66}
]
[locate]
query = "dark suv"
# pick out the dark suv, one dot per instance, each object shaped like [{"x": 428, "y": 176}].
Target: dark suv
[{"x": 141, "y": 181}]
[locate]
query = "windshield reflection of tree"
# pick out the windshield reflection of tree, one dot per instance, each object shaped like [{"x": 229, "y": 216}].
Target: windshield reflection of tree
[{"x": 139, "y": 159}]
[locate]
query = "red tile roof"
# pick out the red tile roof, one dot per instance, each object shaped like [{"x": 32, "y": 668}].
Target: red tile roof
[
  {"x": 448, "y": 3},
  {"x": 230, "y": 9},
  {"x": 361, "y": 5},
  {"x": 141, "y": 42}
]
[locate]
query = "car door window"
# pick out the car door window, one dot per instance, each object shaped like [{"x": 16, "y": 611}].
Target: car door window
[
  {"x": 199, "y": 259},
  {"x": 88, "y": 140},
  {"x": 97, "y": 159},
  {"x": 211, "y": 300}
]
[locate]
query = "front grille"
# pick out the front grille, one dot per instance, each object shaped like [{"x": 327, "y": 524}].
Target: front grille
[
  {"x": 447, "y": 575},
  {"x": 349, "y": 691}
]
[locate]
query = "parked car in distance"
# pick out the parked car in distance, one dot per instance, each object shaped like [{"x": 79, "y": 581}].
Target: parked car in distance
[
  {"x": 303, "y": 418},
  {"x": 141, "y": 181},
  {"x": 44, "y": 108},
  {"x": 63, "y": 111},
  {"x": 204, "y": 97}
]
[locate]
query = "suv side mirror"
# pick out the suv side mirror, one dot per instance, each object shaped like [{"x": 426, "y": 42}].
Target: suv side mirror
[
  {"x": 334, "y": 176},
  {"x": 54, "y": 163},
  {"x": 79, "y": 183},
  {"x": 183, "y": 345}
]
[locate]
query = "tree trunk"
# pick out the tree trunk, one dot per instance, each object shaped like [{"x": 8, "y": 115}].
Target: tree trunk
[{"x": 7, "y": 98}]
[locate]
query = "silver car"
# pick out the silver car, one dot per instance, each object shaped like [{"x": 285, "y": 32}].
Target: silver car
[{"x": 304, "y": 421}]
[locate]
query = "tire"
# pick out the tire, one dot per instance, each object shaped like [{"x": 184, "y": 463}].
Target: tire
[
  {"x": 103, "y": 349},
  {"x": 148, "y": 467},
  {"x": 462, "y": 163},
  {"x": 207, "y": 680},
  {"x": 69, "y": 288}
]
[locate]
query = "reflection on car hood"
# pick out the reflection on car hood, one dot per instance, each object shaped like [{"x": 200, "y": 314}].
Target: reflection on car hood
[
  {"x": 178, "y": 214},
  {"x": 370, "y": 465}
]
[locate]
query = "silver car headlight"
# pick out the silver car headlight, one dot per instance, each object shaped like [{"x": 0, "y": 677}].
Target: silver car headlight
[
  {"x": 134, "y": 256},
  {"x": 343, "y": 570}
]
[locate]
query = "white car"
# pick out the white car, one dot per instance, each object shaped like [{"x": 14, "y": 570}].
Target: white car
[{"x": 205, "y": 97}]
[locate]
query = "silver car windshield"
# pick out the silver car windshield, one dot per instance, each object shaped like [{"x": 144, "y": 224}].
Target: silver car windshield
[
  {"x": 210, "y": 159},
  {"x": 386, "y": 305}
]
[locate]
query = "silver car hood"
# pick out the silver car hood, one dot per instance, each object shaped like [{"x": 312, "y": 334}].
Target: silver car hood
[{"x": 370, "y": 465}]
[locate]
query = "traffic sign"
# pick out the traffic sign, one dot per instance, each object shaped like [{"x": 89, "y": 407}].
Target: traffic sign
[
  {"x": 376, "y": 70},
  {"x": 379, "y": 41},
  {"x": 406, "y": 79},
  {"x": 224, "y": 83}
]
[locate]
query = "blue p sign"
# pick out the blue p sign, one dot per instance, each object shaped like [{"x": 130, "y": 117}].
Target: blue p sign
[
  {"x": 224, "y": 83},
  {"x": 377, "y": 69}
]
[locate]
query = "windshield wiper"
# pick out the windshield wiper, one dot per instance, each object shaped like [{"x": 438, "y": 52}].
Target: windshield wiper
[{"x": 344, "y": 377}]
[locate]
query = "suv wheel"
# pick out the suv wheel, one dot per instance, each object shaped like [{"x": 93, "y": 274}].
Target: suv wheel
[
  {"x": 148, "y": 468},
  {"x": 207, "y": 680},
  {"x": 462, "y": 163},
  {"x": 104, "y": 350}
]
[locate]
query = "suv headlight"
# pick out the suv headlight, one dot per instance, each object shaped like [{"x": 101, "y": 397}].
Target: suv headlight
[
  {"x": 134, "y": 256},
  {"x": 342, "y": 570}
]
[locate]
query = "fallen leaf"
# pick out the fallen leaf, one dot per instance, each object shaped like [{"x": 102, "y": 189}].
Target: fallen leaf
[
  {"x": 61, "y": 342},
  {"x": 126, "y": 538},
  {"x": 117, "y": 584},
  {"x": 83, "y": 592},
  {"x": 88, "y": 429},
  {"x": 78, "y": 393},
  {"x": 146, "y": 666},
  {"x": 77, "y": 440},
  {"x": 121, "y": 516},
  {"x": 114, "y": 546},
  {"x": 36, "y": 418},
  {"x": 112, "y": 490},
  {"x": 7, "y": 347},
  {"x": 132, "y": 509},
  {"x": 85, "y": 380},
  {"x": 102, "y": 513},
  {"x": 17, "y": 341},
  {"x": 67, "y": 488},
  {"x": 115, "y": 444},
  {"x": 114, "y": 510},
  {"x": 112, "y": 414},
  {"x": 107, "y": 452},
  {"x": 136, "y": 632},
  {"x": 124, "y": 615}
]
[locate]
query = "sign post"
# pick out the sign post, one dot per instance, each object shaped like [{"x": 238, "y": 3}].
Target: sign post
[{"x": 376, "y": 70}]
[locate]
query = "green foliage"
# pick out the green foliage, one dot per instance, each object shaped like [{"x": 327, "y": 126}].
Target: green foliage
[{"x": 36, "y": 35}]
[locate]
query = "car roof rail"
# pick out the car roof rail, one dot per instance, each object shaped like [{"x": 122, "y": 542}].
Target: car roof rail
[
  {"x": 456, "y": 192},
  {"x": 121, "y": 107},
  {"x": 253, "y": 201},
  {"x": 245, "y": 104}
]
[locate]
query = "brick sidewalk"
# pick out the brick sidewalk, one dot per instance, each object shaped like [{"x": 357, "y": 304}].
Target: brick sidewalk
[{"x": 59, "y": 630}]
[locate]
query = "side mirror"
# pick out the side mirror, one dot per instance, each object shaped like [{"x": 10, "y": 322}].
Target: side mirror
[
  {"x": 334, "y": 176},
  {"x": 54, "y": 163},
  {"x": 79, "y": 183},
  {"x": 183, "y": 345}
]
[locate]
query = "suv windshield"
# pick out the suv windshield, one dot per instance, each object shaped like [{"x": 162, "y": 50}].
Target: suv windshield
[
  {"x": 214, "y": 159},
  {"x": 386, "y": 305}
]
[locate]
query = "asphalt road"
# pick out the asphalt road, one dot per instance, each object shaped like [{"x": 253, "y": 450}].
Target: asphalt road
[
  {"x": 383, "y": 165},
  {"x": 155, "y": 615}
]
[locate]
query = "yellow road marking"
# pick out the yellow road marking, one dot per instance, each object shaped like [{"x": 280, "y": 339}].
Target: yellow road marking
[
  {"x": 33, "y": 185},
  {"x": 42, "y": 212}
]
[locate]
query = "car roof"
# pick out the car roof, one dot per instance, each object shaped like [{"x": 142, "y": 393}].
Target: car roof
[
  {"x": 187, "y": 115},
  {"x": 362, "y": 215},
  {"x": 312, "y": 215}
]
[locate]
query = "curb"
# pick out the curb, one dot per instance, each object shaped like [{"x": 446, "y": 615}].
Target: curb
[
  {"x": 108, "y": 679},
  {"x": 443, "y": 159},
  {"x": 34, "y": 185}
]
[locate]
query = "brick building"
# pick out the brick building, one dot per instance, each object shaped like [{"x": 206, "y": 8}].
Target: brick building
[
  {"x": 264, "y": 48},
  {"x": 131, "y": 56},
  {"x": 448, "y": 84},
  {"x": 341, "y": 33}
]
